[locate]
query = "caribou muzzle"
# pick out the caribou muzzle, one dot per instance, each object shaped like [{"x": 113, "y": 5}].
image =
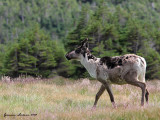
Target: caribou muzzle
[{"x": 68, "y": 56}]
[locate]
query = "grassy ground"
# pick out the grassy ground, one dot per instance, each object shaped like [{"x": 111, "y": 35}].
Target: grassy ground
[{"x": 61, "y": 99}]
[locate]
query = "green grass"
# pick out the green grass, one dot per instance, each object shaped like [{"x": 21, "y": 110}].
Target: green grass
[{"x": 62, "y": 99}]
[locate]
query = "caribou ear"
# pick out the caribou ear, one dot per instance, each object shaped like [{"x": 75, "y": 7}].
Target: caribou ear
[{"x": 85, "y": 43}]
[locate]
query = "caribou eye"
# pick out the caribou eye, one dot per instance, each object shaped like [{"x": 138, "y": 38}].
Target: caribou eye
[{"x": 78, "y": 51}]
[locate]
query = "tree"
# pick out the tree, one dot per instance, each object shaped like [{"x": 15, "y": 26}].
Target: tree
[{"x": 34, "y": 54}]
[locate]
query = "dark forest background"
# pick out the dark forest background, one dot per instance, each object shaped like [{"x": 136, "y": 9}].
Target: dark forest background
[{"x": 36, "y": 34}]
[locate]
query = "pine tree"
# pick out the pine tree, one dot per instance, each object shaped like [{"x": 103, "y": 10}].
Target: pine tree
[{"x": 35, "y": 54}]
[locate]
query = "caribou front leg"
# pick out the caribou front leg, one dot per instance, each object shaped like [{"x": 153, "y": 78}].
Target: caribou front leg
[
  {"x": 98, "y": 95},
  {"x": 109, "y": 90}
]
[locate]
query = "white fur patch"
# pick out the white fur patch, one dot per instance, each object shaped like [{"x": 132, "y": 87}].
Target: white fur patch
[{"x": 90, "y": 65}]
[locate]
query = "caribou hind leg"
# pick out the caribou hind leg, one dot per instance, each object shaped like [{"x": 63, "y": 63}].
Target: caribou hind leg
[
  {"x": 142, "y": 78},
  {"x": 147, "y": 95},
  {"x": 132, "y": 78},
  {"x": 143, "y": 88}
]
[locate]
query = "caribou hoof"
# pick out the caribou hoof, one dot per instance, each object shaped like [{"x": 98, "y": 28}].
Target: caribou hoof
[
  {"x": 93, "y": 108},
  {"x": 114, "y": 105}
]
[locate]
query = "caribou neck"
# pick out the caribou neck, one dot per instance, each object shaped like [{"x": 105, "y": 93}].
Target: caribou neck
[{"x": 90, "y": 65}]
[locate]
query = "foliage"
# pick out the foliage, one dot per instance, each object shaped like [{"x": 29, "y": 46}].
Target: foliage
[
  {"x": 34, "y": 54},
  {"x": 55, "y": 16}
]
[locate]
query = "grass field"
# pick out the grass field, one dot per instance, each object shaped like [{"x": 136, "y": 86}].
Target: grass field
[{"x": 63, "y": 99}]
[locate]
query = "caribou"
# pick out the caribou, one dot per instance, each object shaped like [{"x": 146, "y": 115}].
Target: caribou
[{"x": 126, "y": 69}]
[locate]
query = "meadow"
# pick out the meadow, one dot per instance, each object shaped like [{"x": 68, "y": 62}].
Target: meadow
[{"x": 62, "y": 99}]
